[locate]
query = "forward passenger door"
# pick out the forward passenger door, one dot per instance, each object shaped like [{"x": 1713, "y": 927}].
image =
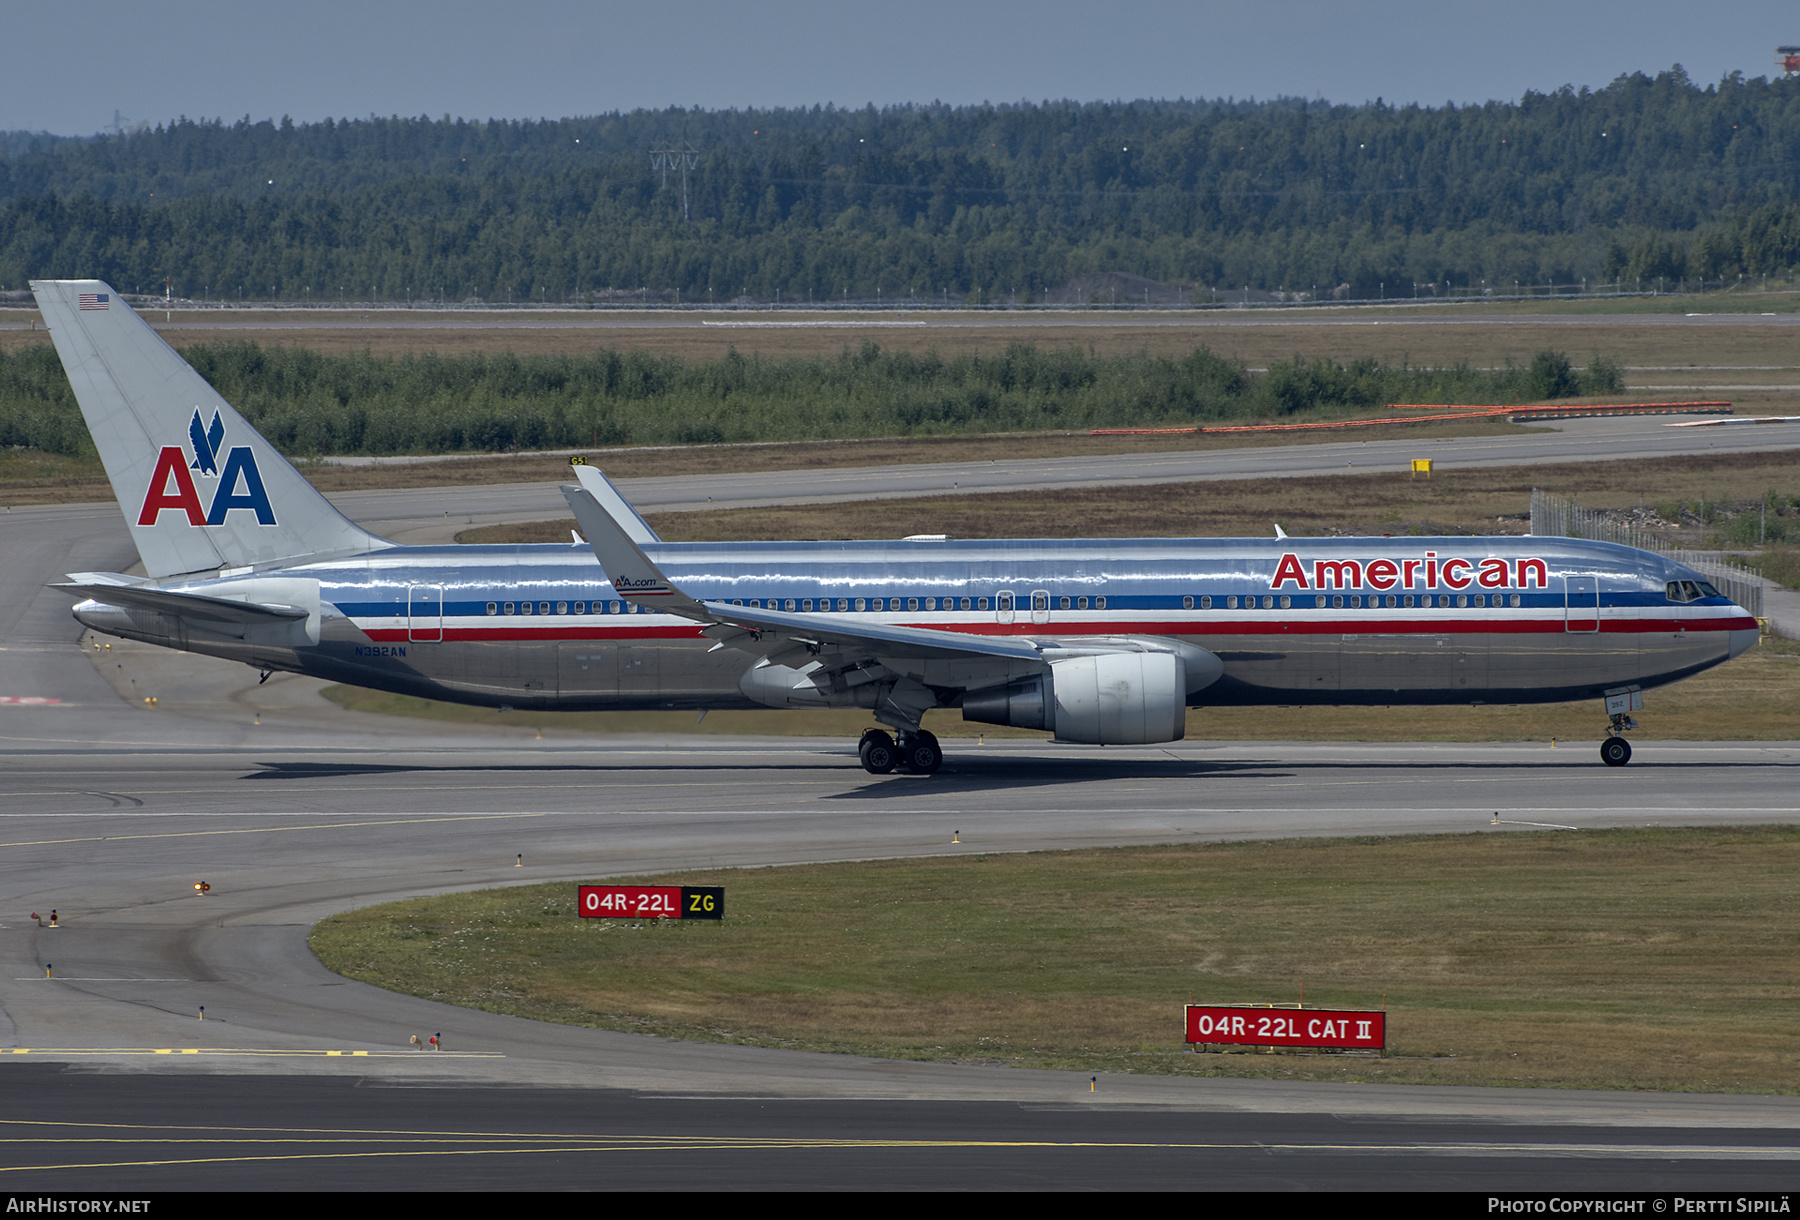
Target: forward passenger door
[{"x": 1581, "y": 604}]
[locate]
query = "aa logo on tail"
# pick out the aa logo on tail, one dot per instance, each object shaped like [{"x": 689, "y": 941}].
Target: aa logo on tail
[
  {"x": 206, "y": 444},
  {"x": 238, "y": 485}
]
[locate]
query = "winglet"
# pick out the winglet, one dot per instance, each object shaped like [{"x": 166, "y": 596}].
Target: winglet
[
  {"x": 617, "y": 506},
  {"x": 633, "y": 573},
  {"x": 637, "y": 578}
]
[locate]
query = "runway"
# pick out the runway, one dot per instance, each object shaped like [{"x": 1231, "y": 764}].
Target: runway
[
  {"x": 109, "y": 813},
  {"x": 366, "y": 1136}
]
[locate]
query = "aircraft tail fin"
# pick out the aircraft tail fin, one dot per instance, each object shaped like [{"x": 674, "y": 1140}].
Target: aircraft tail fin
[{"x": 200, "y": 489}]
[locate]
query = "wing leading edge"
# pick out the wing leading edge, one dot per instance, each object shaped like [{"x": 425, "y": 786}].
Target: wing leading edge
[
  {"x": 637, "y": 578},
  {"x": 1110, "y": 690}
]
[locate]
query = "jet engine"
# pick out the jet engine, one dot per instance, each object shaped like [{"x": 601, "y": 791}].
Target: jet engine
[{"x": 1112, "y": 699}]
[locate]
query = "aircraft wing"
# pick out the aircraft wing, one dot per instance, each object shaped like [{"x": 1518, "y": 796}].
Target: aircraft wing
[
  {"x": 856, "y": 635},
  {"x": 637, "y": 578}
]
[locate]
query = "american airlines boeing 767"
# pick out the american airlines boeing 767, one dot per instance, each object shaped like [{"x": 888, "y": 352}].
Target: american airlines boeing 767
[{"x": 1099, "y": 642}]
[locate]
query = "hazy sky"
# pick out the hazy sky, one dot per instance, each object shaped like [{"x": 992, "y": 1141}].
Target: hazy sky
[{"x": 70, "y": 66}]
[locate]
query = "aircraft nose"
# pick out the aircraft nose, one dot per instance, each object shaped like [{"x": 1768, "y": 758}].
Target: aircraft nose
[{"x": 1741, "y": 641}]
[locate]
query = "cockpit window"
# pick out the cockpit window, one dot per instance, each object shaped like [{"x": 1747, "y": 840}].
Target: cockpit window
[{"x": 1691, "y": 590}]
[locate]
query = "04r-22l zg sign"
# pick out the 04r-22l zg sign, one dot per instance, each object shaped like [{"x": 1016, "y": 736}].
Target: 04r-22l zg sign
[{"x": 650, "y": 902}]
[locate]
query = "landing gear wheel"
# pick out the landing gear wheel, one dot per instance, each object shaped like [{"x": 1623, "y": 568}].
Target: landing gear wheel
[
  {"x": 877, "y": 752},
  {"x": 1615, "y": 751},
  {"x": 920, "y": 753}
]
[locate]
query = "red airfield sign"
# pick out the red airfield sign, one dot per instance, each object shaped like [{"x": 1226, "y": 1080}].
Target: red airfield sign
[
  {"x": 1308, "y": 1027},
  {"x": 650, "y": 902}
]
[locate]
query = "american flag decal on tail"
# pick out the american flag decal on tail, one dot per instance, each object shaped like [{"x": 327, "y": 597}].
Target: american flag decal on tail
[{"x": 95, "y": 300}]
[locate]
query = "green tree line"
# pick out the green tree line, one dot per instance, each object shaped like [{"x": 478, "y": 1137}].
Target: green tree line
[
  {"x": 1650, "y": 176},
  {"x": 309, "y": 404}
]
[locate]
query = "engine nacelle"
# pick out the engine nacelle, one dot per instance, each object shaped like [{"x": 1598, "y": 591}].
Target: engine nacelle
[{"x": 1113, "y": 699}]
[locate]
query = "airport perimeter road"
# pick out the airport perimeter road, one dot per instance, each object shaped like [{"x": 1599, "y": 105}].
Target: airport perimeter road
[
  {"x": 377, "y": 318},
  {"x": 1585, "y": 440}
]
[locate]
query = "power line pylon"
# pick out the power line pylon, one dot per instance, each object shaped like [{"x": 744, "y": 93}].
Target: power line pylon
[{"x": 681, "y": 160}]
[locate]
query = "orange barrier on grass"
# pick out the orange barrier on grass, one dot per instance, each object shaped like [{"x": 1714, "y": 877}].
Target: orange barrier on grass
[{"x": 1449, "y": 411}]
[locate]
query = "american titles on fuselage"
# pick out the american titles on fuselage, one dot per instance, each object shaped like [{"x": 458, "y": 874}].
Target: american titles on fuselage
[{"x": 1426, "y": 571}]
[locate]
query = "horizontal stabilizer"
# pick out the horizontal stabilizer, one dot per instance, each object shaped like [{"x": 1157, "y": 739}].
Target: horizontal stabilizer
[{"x": 186, "y": 605}]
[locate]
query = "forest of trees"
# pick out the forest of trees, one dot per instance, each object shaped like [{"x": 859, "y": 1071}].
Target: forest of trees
[{"x": 1649, "y": 177}]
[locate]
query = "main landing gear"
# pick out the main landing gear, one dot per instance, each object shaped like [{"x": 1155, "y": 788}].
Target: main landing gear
[{"x": 916, "y": 753}]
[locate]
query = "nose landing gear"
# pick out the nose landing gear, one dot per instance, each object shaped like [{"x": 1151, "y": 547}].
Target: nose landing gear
[{"x": 1615, "y": 751}]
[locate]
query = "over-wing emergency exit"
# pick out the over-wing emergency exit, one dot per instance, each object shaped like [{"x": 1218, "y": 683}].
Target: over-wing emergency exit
[{"x": 1099, "y": 642}]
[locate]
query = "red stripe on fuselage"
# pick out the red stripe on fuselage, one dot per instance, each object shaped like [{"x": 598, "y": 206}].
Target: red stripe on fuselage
[
  {"x": 1188, "y": 628},
  {"x": 683, "y": 631}
]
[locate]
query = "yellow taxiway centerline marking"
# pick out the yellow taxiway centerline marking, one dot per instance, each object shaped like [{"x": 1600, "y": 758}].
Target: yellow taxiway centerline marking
[
  {"x": 563, "y": 1145},
  {"x": 217, "y": 1134}
]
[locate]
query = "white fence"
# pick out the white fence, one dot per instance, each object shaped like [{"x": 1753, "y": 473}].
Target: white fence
[{"x": 1555, "y": 516}]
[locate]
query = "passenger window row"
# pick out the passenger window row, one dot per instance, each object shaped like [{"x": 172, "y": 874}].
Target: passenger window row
[
  {"x": 1678, "y": 591},
  {"x": 561, "y": 608},
  {"x": 1355, "y": 601},
  {"x": 803, "y": 604},
  {"x": 880, "y": 605}
]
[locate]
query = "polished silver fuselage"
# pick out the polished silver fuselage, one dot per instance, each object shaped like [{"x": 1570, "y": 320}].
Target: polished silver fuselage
[{"x": 1294, "y": 621}]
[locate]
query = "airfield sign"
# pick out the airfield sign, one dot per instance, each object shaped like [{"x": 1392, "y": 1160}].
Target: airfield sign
[
  {"x": 1301, "y": 1027},
  {"x": 650, "y": 902}
]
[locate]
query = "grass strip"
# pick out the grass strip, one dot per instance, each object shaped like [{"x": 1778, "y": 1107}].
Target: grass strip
[{"x": 1635, "y": 958}]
